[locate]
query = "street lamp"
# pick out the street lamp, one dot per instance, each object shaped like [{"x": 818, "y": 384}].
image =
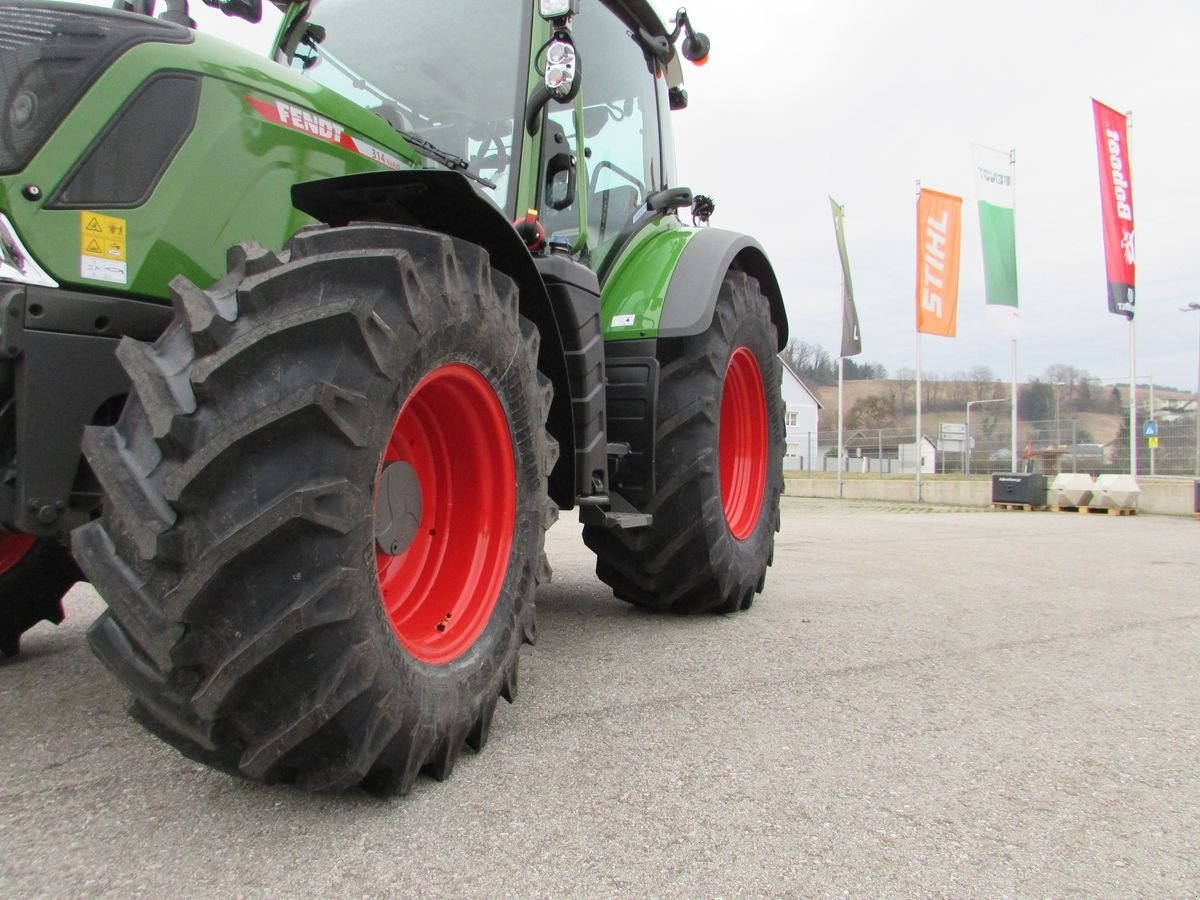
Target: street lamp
[
  {"x": 971, "y": 403},
  {"x": 1195, "y": 307}
]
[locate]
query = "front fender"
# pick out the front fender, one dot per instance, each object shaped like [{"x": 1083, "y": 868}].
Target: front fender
[{"x": 445, "y": 202}]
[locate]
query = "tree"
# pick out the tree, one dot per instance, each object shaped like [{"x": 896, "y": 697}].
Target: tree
[
  {"x": 1037, "y": 401},
  {"x": 875, "y": 411},
  {"x": 811, "y": 362},
  {"x": 1085, "y": 399},
  {"x": 863, "y": 371},
  {"x": 983, "y": 381},
  {"x": 903, "y": 391},
  {"x": 816, "y": 366},
  {"x": 1115, "y": 403}
]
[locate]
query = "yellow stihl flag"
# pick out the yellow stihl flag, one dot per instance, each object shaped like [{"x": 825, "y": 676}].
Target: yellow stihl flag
[{"x": 939, "y": 226}]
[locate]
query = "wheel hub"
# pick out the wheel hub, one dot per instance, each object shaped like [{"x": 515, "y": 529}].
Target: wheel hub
[{"x": 397, "y": 509}]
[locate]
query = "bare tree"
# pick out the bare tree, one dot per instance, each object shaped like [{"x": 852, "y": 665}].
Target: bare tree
[
  {"x": 903, "y": 391},
  {"x": 875, "y": 411},
  {"x": 984, "y": 383}
]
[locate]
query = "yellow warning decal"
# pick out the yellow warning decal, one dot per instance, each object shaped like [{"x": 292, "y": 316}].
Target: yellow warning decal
[{"x": 102, "y": 237}]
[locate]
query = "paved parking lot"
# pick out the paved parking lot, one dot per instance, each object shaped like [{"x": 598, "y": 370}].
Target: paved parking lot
[{"x": 922, "y": 703}]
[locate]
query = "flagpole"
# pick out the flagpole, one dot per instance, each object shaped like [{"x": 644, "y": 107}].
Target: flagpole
[
  {"x": 851, "y": 339},
  {"x": 841, "y": 371},
  {"x": 919, "y": 447},
  {"x": 918, "y": 444},
  {"x": 1012, "y": 165},
  {"x": 1013, "y": 404},
  {"x": 1133, "y": 435}
]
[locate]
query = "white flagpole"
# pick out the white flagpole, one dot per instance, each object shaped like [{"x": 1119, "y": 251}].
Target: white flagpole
[
  {"x": 841, "y": 371},
  {"x": 918, "y": 445},
  {"x": 919, "y": 442},
  {"x": 1133, "y": 434},
  {"x": 1013, "y": 404},
  {"x": 1012, "y": 163}
]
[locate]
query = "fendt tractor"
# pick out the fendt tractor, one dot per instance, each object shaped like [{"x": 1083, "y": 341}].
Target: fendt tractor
[{"x": 301, "y": 355}]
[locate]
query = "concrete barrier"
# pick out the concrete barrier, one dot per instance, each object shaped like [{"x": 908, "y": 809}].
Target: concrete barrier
[{"x": 1158, "y": 497}]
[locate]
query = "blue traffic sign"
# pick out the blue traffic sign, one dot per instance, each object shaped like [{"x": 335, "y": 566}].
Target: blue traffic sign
[{"x": 1150, "y": 429}]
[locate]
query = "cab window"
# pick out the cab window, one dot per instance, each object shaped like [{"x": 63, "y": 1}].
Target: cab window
[{"x": 622, "y": 161}]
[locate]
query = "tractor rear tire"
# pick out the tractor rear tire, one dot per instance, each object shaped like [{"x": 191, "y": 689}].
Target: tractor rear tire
[
  {"x": 325, "y": 510},
  {"x": 719, "y": 443},
  {"x": 34, "y": 575}
]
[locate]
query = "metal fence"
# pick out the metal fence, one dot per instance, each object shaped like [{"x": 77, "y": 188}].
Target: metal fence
[{"x": 1047, "y": 447}]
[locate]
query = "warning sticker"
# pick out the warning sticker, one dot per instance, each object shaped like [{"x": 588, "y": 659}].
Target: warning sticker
[{"x": 102, "y": 248}]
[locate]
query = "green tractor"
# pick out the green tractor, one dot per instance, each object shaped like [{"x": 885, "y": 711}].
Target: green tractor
[{"x": 311, "y": 475}]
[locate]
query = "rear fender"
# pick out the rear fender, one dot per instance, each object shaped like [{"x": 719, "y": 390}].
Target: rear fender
[
  {"x": 666, "y": 282},
  {"x": 696, "y": 281}
]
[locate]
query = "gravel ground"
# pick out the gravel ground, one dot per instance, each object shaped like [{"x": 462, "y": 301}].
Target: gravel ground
[{"x": 938, "y": 704}]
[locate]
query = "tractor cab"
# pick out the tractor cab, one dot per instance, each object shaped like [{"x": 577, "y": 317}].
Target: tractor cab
[{"x": 470, "y": 88}]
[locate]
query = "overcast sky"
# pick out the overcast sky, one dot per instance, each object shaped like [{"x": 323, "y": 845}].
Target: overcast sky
[{"x": 859, "y": 100}]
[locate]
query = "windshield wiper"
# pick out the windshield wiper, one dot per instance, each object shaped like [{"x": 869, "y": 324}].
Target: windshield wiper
[
  {"x": 437, "y": 154},
  {"x": 422, "y": 146}
]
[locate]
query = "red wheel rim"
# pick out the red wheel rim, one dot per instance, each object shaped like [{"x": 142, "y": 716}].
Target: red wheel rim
[
  {"x": 13, "y": 548},
  {"x": 743, "y": 443},
  {"x": 439, "y": 592}
]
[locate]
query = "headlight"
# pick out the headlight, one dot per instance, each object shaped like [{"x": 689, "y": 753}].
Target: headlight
[
  {"x": 560, "y": 68},
  {"x": 50, "y": 54}
]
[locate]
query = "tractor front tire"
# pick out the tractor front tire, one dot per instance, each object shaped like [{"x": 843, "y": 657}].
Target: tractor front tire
[
  {"x": 325, "y": 510},
  {"x": 34, "y": 575},
  {"x": 718, "y": 462}
]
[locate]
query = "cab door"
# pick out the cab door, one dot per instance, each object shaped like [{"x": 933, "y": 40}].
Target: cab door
[{"x": 602, "y": 155}]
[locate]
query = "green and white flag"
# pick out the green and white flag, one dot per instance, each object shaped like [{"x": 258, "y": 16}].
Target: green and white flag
[{"x": 996, "y": 193}]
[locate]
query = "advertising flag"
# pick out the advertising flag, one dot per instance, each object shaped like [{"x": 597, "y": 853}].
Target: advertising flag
[
  {"x": 1116, "y": 206},
  {"x": 939, "y": 228},
  {"x": 995, "y": 192},
  {"x": 851, "y": 336}
]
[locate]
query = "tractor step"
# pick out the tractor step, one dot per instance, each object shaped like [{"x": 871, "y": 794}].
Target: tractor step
[
  {"x": 591, "y": 515},
  {"x": 620, "y": 513}
]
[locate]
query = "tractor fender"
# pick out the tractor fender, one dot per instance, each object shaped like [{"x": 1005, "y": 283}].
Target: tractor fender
[
  {"x": 445, "y": 202},
  {"x": 692, "y": 294}
]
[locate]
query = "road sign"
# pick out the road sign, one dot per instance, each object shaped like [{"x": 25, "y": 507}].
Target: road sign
[
  {"x": 1150, "y": 430},
  {"x": 1152, "y": 442},
  {"x": 950, "y": 429}
]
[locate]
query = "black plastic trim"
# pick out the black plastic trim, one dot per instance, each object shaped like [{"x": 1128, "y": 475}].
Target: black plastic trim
[
  {"x": 692, "y": 294},
  {"x": 156, "y": 122},
  {"x": 631, "y": 375},
  {"x": 60, "y": 372},
  {"x": 575, "y": 295}
]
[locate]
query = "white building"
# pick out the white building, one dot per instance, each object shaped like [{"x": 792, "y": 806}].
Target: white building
[{"x": 800, "y": 414}]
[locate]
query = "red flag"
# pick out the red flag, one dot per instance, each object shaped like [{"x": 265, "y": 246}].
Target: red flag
[
  {"x": 939, "y": 226},
  {"x": 1116, "y": 206}
]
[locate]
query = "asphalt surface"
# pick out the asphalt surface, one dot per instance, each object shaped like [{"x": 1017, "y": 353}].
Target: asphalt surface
[{"x": 922, "y": 703}]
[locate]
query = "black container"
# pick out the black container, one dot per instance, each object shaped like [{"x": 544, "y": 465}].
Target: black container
[{"x": 1019, "y": 487}]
